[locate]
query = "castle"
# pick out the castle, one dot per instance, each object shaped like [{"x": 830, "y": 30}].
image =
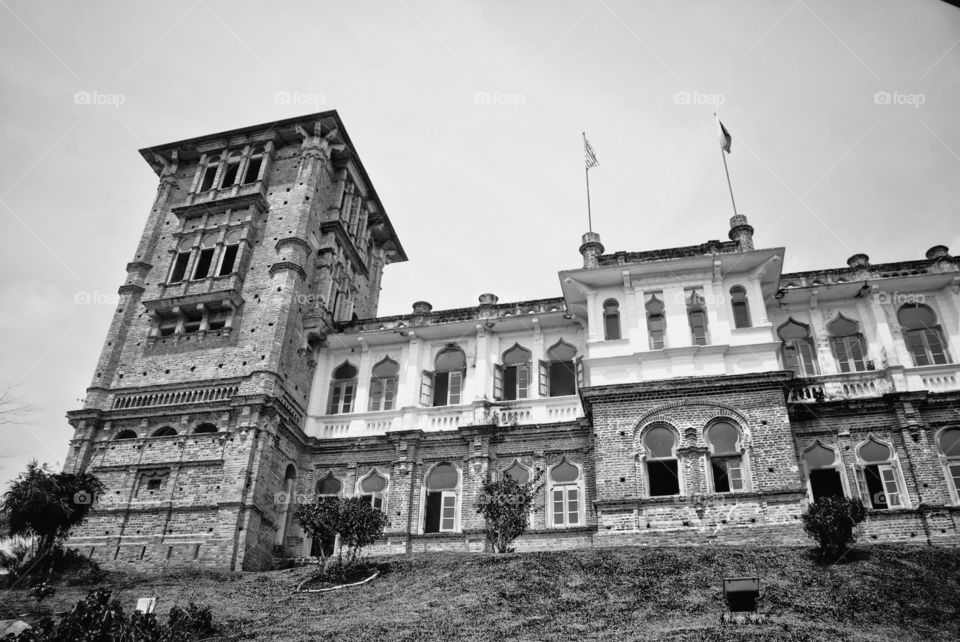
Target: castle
[{"x": 691, "y": 395}]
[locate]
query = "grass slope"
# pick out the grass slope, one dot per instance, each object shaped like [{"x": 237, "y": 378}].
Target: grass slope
[{"x": 886, "y": 592}]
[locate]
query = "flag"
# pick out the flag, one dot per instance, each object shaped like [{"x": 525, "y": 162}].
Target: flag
[
  {"x": 589, "y": 157},
  {"x": 725, "y": 138}
]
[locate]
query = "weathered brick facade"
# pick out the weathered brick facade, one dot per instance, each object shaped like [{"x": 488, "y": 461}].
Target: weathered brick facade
[{"x": 244, "y": 368}]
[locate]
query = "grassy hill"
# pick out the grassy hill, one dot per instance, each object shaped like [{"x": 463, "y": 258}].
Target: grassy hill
[{"x": 884, "y": 593}]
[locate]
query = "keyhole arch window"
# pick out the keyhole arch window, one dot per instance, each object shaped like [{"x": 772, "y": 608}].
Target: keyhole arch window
[
  {"x": 562, "y": 372},
  {"x": 727, "y": 466},
  {"x": 566, "y": 495},
  {"x": 879, "y": 476},
  {"x": 923, "y": 335},
  {"x": 373, "y": 488},
  {"x": 823, "y": 467},
  {"x": 611, "y": 320},
  {"x": 661, "y": 467},
  {"x": 512, "y": 377},
  {"x": 343, "y": 389},
  {"x": 656, "y": 322},
  {"x": 442, "y": 499},
  {"x": 797, "y": 348},
  {"x": 847, "y": 344},
  {"x": 949, "y": 443},
  {"x": 443, "y": 386},
  {"x": 384, "y": 380}
]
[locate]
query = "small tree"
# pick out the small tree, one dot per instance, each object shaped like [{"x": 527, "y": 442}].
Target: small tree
[
  {"x": 506, "y": 505},
  {"x": 831, "y": 522},
  {"x": 353, "y": 520},
  {"x": 48, "y": 505}
]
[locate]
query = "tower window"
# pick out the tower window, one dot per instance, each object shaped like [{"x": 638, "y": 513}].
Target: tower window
[
  {"x": 663, "y": 477},
  {"x": 228, "y": 258},
  {"x": 442, "y": 485},
  {"x": 209, "y": 175},
  {"x": 847, "y": 344},
  {"x": 383, "y": 385},
  {"x": 923, "y": 335},
  {"x": 232, "y": 169},
  {"x": 512, "y": 379},
  {"x": 611, "y": 320},
  {"x": 561, "y": 372},
  {"x": 179, "y": 267},
  {"x": 343, "y": 389},
  {"x": 656, "y": 322},
  {"x": 797, "y": 348},
  {"x": 741, "y": 310},
  {"x": 252, "y": 173}
]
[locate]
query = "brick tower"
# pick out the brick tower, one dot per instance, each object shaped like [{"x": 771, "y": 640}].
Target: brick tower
[{"x": 259, "y": 240}]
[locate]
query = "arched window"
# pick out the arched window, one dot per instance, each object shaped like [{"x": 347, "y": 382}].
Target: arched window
[
  {"x": 611, "y": 320},
  {"x": 165, "y": 431},
  {"x": 562, "y": 370},
  {"x": 949, "y": 442},
  {"x": 726, "y": 459},
  {"x": 741, "y": 309},
  {"x": 383, "y": 385},
  {"x": 228, "y": 257},
  {"x": 879, "y": 475},
  {"x": 205, "y": 428},
  {"x": 660, "y": 446},
  {"x": 126, "y": 434},
  {"x": 923, "y": 335},
  {"x": 823, "y": 472},
  {"x": 329, "y": 485},
  {"x": 797, "y": 348},
  {"x": 847, "y": 344},
  {"x": 231, "y": 171},
  {"x": 208, "y": 245},
  {"x": 697, "y": 315},
  {"x": 512, "y": 379},
  {"x": 254, "y": 163},
  {"x": 343, "y": 388},
  {"x": 373, "y": 488},
  {"x": 286, "y": 499},
  {"x": 443, "y": 485},
  {"x": 566, "y": 495},
  {"x": 656, "y": 323},
  {"x": 518, "y": 473},
  {"x": 443, "y": 386},
  {"x": 209, "y": 172}
]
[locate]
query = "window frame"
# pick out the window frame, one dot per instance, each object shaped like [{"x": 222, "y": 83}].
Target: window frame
[
  {"x": 374, "y": 497},
  {"x": 337, "y": 403},
  {"x": 950, "y": 464},
  {"x": 381, "y": 398},
  {"x": 837, "y": 467},
  {"x": 610, "y": 311},
  {"x": 445, "y": 495},
  {"x": 725, "y": 458},
  {"x": 895, "y": 475},
  {"x": 799, "y": 345},
  {"x": 647, "y": 458},
  {"x": 924, "y": 335},
  {"x": 740, "y": 301},
  {"x": 565, "y": 489},
  {"x": 655, "y": 343}
]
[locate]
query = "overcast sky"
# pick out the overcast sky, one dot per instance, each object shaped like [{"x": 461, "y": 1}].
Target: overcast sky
[{"x": 467, "y": 117}]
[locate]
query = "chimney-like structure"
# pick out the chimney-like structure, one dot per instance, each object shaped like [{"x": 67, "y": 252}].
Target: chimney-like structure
[
  {"x": 591, "y": 249},
  {"x": 741, "y": 232},
  {"x": 860, "y": 264}
]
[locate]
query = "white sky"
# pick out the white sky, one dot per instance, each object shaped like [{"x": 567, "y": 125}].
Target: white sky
[{"x": 485, "y": 197}]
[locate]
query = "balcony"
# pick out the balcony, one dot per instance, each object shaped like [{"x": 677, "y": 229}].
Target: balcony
[
  {"x": 235, "y": 195},
  {"x": 875, "y": 383}
]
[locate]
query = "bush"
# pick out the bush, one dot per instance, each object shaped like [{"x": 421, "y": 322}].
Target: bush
[
  {"x": 65, "y": 563},
  {"x": 832, "y": 521},
  {"x": 506, "y": 505},
  {"x": 353, "y": 520}
]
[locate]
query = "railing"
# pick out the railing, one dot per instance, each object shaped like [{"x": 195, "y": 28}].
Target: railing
[
  {"x": 853, "y": 385},
  {"x": 174, "y": 398}
]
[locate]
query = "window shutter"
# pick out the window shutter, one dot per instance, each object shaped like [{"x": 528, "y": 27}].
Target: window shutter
[
  {"x": 426, "y": 388},
  {"x": 581, "y": 376},
  {"x": 498, "y": 382},
  {"x": 544, "y": 379}
]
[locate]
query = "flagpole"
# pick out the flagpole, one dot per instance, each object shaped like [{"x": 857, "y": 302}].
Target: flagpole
[
  {"x": 589, "y": 213},
  {"x": 729, "y": 184}
]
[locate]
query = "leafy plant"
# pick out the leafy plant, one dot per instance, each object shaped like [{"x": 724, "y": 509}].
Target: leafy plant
[
  {"x": 832, "y": 521},
  {"x": 351, "y": 521},
  {"x": 506, "y": 505}
]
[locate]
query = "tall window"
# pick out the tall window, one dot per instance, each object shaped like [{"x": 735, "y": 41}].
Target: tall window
[
  {"x": 923, "y": 335},
  {"x": 209, "y": 172},
  {"x": 697, "y": 315},
  {"x": 178, "y": 270},
  {"x": 512, "y": 379},
  {"x": 660, "y": 446},
  {"x": 373, "y": 488},
  {"x": 823, "y": 471},
  {"x": 726, "y": 460},
  {"x": 847, "y": 344},
  {"x": 611, "y": 320},
  {"x": 231, "y": 171},
  {"x": 444, "y": 385},
  {"x": 203, "y": 267},
  {"x": 228, "y": 258},
  {"x": 562, "y": 370},
  {"x": 879, "y": 475},
  {"x": 950, "y": 447},
  {"x": 797, "y": 348},
  {"x": 656, "y": 323},
  {"x": 566, "y": 493},
  {"x": 741, "y": 309},
  {"x": 383, "y": 385},
  {"x": 343, "y": 389},
  {"x": 443, "y": 484},
  {"x": 255, "y": 162}
]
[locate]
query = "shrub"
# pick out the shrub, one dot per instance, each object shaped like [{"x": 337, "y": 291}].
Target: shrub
[
  {"x": 832, "y": 521},
  {"x": 506, "y": 505},
  {"x": 353, "y": 520}
]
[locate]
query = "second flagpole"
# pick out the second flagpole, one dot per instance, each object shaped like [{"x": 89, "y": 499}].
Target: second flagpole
[{"x": 725, "y": 171}]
